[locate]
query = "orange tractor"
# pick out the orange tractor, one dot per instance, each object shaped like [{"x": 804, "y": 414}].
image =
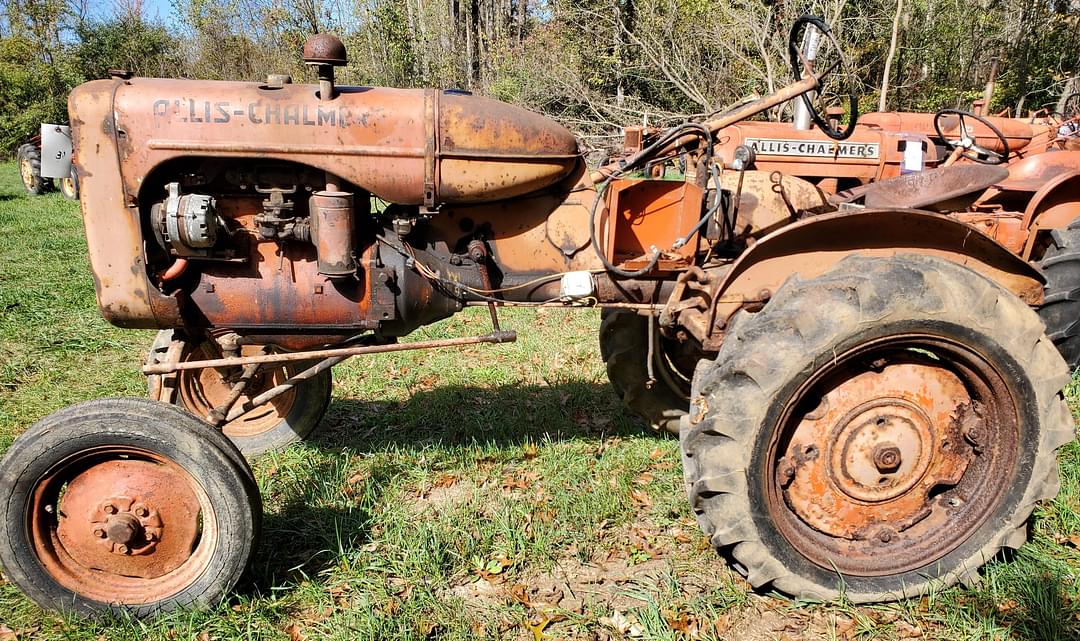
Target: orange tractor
[{"x": 872, "y": 405}]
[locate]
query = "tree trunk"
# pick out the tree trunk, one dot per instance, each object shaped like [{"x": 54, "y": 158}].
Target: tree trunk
[{"x": 884, "y": 97}]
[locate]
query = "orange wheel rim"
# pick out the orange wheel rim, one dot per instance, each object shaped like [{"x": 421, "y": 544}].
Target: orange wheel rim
[
  {"x": 893, "y": 456},
  {"x": 203, "y": 390},
  {"x": 121, "y": 525}
]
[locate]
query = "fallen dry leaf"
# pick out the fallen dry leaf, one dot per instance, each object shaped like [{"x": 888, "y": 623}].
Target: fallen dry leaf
[
  {"x": 680, "y": 535},
  {"x": 7, "y": 634},
  {"x": 537, "y": 628},
  {"x": 445, "y": 480},
  {"x": 296, "y": 632},
  {"x": 656, "y": 454},
  {"x": 1074, "y": 541},
  {"x": 644, "y": 478},
  {"x": 908, "y": 631},
  {"x": 641, "y": 497},
  {"x": 520, "y": 593}
]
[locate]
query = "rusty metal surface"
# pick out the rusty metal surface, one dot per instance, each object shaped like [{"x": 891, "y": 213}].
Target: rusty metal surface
[
  {"x": 324, "y": 48},
  {"x": 1033, "y": 172},
  {"x": 813, "y": 245},
  {"x": 504, "y": 336},
  {"x": 128, "y": 526},
  {"x": 332, "y": 228},
  {"x": 940, "y": 189},
  {"x": 112, "y": 222},
  {"x": 1018, "y": 133},
  {"x": 1005, "y": 227},
  {"x": 890, "y": 458},
  {"x": 818, "y": 156},
  {"x": 648, "y": 214},
  {"x": 768, "y": 200},
  {"x": 375, "y": 138}
]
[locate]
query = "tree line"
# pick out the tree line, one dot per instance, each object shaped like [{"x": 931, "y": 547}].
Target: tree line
[{"x": 595, "y": 65}]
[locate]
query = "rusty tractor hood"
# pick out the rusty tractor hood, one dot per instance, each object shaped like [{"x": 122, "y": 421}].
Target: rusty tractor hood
[{"x": 408, "y": 146}]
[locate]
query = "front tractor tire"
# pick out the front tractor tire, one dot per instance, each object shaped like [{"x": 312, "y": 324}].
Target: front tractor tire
[
  {"x": 624, "y": 346},
  {"x": 125, "y": 506},
  {"x": 28, "y": 158},
  {"x": 270, "y": 427},
  {"x": 876, "y": 432}
]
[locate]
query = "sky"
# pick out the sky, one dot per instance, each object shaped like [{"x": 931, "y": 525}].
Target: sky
[{"x": 153, "y": 10}]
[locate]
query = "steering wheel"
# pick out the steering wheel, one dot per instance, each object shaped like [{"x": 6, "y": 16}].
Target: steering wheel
[
  {"x": 801, "y": 68},
  {"x": 971, "y": 150}
]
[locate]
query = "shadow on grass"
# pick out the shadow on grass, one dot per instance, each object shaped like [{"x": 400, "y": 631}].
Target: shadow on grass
[
  {"x": 466, "y": 416},
  {"x": 1041, "y": 607},
  {"x": 303, "y": 539}
]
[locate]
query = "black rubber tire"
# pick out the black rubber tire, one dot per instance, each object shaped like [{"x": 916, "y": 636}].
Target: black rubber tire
[
  {"x": 624, "y": 346},
  {"x": 765, "y": 357},
  {"x": 202, "y": 452},
  {"x": 34, "y": 184},
  {"x": 312, "y": 400},
  {"x": 1060, "y": 310},
  {"x": 70, "y": 187}
]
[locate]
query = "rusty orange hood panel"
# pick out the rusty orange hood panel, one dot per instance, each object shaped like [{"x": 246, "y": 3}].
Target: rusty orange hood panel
[{"x": 409, "y": 146}]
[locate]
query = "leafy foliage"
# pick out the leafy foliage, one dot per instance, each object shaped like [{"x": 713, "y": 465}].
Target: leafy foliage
[{"x": 596, "y": 65}]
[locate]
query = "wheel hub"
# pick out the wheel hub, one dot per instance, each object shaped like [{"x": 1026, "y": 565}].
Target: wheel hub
[
  {"x": 126, "y": 533},
  {"x": 864, "y": 465},
  {"x": 881, "y": 450}
]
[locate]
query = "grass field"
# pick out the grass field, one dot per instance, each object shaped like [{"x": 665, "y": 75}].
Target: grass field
[{"x": 493, "y": 492}]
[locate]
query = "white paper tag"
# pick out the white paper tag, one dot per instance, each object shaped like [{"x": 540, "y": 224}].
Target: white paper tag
[{"x": 913, "y": 156}]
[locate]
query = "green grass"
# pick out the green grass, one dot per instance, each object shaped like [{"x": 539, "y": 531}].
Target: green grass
[{"x": 435, "y": 469}]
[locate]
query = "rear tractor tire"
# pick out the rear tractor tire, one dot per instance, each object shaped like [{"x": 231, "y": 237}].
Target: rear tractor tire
[
  {"x": 273, "y": 426},
  {"x": 1061, "y": 304},
  {"x": 125, "y": 506},
  {"x": 624, "y": 345},
  {"x": 28, "y": 159},
  {"x": 876, "y": 432}
]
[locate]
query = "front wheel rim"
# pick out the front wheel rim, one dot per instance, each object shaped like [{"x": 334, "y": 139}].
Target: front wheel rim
[
  {"x": 892, "y": 455},
  {"x": 121, "y": 525},
  {"x": 204, "y": 389}
]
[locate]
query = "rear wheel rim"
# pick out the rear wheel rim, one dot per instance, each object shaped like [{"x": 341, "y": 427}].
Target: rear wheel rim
[
  {"x": 122, "y": 525},
  {"x": 204, "y": 389},
  {"x": 26, "y": 170},
  {"x": 892, "y": 455}
]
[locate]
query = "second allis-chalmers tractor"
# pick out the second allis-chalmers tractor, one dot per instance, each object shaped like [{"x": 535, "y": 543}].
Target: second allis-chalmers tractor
[{"x": 867, "y": 401}]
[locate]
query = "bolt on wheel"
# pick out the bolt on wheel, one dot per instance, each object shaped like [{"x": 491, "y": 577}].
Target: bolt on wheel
[{"x": 125, "y": 505}]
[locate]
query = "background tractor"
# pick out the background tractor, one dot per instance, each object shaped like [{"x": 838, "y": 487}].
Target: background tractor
[
  {"x": 39, "y": 177},
  {"x": 868, "y": 405}
]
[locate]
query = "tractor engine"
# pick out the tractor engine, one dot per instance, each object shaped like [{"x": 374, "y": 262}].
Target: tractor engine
[{"x": 281, "y": 210}]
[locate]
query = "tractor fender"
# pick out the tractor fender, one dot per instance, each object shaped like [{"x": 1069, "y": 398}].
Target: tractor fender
[
  {"x": 1055, "y": 204},
  {"x": 812, "y": 246}
]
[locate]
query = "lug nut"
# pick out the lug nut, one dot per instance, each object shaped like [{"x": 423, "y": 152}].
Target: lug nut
[
  {"x": 887, "y": 458},
  {"x": 141, "y": 511},
  {"x": 885, "y": 535},
  {"x": 122, "y": 549},
  {"x": 99, "y": 533},
  {"x": 109, "y": 508}
]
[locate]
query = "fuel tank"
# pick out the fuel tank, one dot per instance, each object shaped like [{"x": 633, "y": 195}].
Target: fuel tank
[{"x": 408, "y": 146}]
